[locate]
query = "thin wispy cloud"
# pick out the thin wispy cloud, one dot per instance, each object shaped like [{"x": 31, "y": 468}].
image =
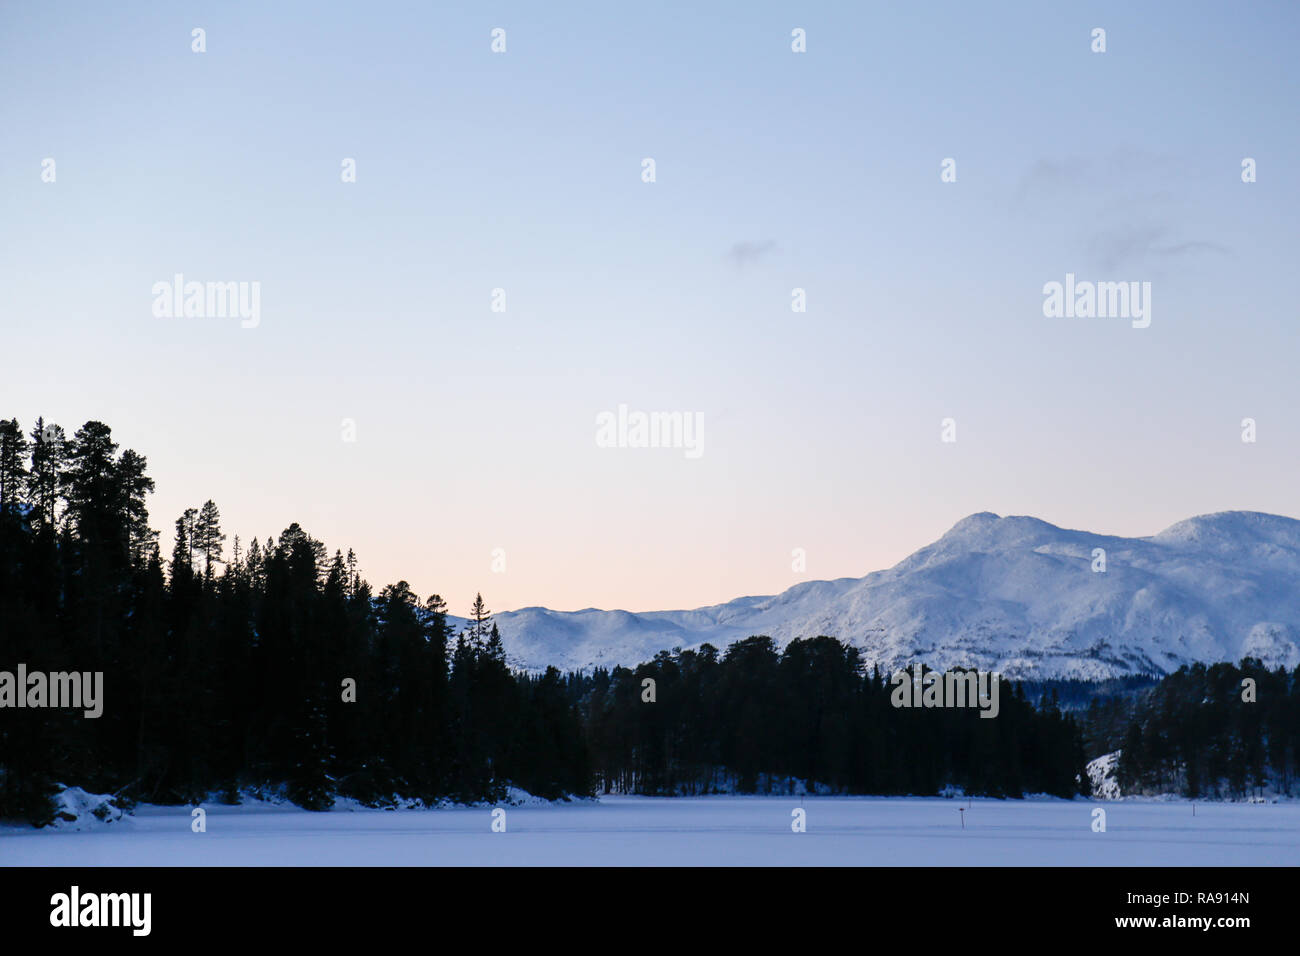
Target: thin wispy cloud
[
  {"x": 748, "y": 252},
  {"x": 1130, "y": 245},
  {"x": 1129, "y": 185},
  {"x": 1048, "y": 179}
]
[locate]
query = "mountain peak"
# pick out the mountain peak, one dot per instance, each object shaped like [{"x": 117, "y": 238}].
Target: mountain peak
[
  {"x": 985, "y": 529},
  {"x": 1014, "y": 594},
  {"x": 979, "y": 519},
  {"x": 1238, "y": 523}
]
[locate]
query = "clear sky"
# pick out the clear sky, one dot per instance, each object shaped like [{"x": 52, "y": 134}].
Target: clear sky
[{"x": 775, "y": 170}]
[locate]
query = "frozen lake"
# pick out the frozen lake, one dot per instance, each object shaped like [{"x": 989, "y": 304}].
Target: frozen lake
[{"x": 709, "y": 831}]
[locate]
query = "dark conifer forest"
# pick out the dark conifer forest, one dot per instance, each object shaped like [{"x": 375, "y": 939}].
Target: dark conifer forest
[
  {"x": 1202, "y": 732},
  {"x": 273, "y": 666}
]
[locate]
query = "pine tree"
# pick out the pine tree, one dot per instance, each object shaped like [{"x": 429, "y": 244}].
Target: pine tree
[
  {"x": 254, "y": 566},
  {"x": 93, "y": 490},
  {"x": 436, "y": 608},
  {"x": 13, "y": 468},
  {"x": 183, "y": 550},
  {"x": 46, "y": 478},
  {"x": 208, "y": 536},
  {"x": 135, "y": 484}
]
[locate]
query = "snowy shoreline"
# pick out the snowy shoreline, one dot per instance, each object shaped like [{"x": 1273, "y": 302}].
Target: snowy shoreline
[{"x": 741, "y": 830}]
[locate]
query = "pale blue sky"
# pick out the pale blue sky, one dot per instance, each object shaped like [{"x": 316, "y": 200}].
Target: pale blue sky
[{"x": 522, "y": 171}]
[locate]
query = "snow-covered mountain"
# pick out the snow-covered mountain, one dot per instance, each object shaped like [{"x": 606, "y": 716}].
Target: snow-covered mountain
[{"x": 1013, "y": 594}]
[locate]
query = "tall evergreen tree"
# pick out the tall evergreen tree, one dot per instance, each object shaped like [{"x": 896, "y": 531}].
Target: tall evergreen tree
[
  {"x": 134, "y": 483},
  {"x": 183, "y": 550},
  {"x": 477, "y": 628},
  {"x": 13, "y": 464},
  {"x": 45, "y": 479},
  {"x": 208, "y": 537}
]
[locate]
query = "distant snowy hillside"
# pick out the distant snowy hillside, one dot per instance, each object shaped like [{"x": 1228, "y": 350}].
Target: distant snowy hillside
[{"x": 1012, "y": 594}]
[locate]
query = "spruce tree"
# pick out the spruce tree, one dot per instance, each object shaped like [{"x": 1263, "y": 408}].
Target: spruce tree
[
  {"x": 479, "y": 619},
  {"x": 45, "y": 479},
  {"x": 183, "y": 550},
  {"x": 13, "y": 464},
  {"x": 134, "y": 484}
]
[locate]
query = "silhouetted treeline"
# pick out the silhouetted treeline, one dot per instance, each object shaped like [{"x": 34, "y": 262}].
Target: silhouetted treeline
[
  {"x": 223, "y": 674},
  {"x": 1201, "y": 732},
  {"x": 272, "y": 665},
  {"x": 754, "y": 719}
]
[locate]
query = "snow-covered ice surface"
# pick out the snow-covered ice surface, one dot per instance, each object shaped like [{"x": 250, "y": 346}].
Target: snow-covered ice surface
[{"x": 703, "y": 831}]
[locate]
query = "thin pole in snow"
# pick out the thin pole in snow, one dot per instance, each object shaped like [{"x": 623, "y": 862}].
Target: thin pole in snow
[{"x": 962, "y": 811}]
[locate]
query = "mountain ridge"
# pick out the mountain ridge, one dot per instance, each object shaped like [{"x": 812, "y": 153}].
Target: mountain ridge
[{"x": 1015, "y": 594}]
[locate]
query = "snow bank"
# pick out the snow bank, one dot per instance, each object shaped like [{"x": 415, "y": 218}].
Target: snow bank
[
  {"x": 79, "y": 810},
  {"x": 1101, "y": 774}
]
